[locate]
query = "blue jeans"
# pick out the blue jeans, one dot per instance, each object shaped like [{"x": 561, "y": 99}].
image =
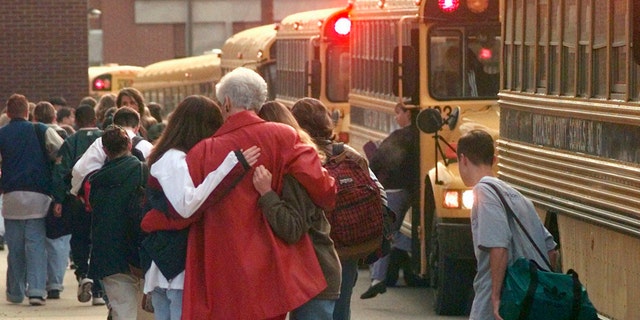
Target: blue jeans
[
  {"x": 349, "y": 277},
  {"x": 25, "y": 263},
  {"x": 316, "y": 309},
  {"x": 398, "y": 201},
  {"x": 57, "y": 261},
  {"x": 167, "y": 304}
]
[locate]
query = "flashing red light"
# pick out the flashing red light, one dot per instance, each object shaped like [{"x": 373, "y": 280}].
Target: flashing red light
[
  {"x": 101, "y": 84},
  {"x": 448, "y": 6},
  {"x": 485, "y": 54},
  {"x": 342, "y": 26}
]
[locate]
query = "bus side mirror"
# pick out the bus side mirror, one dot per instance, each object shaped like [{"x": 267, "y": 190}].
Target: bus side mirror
[
  {"x": 409, "y": 67},
  {"x": 429, "y": 120},
  {"x": 314, "y": 77}
]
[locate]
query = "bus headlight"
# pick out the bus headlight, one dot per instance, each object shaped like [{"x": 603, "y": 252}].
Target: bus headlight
[
  {"x": 467, "y": 199},
  {"x": 458, "y": 199},
  {"x": 451, "y": 199}
]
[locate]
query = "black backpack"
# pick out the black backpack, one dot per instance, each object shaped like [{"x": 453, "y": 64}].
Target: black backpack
[{"x": 134, "y": 142}]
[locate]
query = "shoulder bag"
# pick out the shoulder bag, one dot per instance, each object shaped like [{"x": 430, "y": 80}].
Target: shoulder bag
[{"x": 528, "y": 292}]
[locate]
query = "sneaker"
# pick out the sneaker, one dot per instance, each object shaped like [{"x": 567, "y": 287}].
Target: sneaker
[
  {"x": 53, "y": 294},
  {"x": 98, "y": 301},
  {"x": 84, "y": 289},
  {"x": 37, "y": 301}
]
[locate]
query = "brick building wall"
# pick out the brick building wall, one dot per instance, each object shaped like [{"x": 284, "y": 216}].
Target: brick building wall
[{"x": 43, "y": 49}]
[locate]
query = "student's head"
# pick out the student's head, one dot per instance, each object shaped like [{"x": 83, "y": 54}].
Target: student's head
[
  {"x": 155, "y": 109},
  {"x": 58, "y": 102},
  {"x": 132, "y": 98},
  {"x": 475, "y": 156},
  {"x": 196, "y": 117},
  {"x": 18, "y": 106},
  {"x": 44, "y": 112},
  {"x": 313, "y": 116},
  {"x": 115, "y": 142},
  {"x": 126, "y": 117},
  {"x": 477, "y": 146},
  {"x": 85, "y": 116},
  {"x": 66, "y": 116},
  {"x": 108, "y": 117},
  {"x": 106, "y": 102},
  {"x": 406, "y": 115},
  {"x": 274, "y": 111},
  {"x": 241, "y": 88},
  {"x": 88, "y": 100}
]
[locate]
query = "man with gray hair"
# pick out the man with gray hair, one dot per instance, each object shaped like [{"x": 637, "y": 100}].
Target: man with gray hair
[{"x": 236, "y": 267}]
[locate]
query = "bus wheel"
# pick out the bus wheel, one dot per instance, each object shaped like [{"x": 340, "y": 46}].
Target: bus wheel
[{"x": 454, "y": 273}]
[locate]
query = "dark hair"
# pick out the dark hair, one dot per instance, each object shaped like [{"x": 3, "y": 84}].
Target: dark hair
[
  {"x": 155, "y": 109},
  {"x": 58, "y": 101},
  {"x": 196, "y": 117},
  {"x": 63, "y": 113},
  {"x": 115, "y": 141},
  {"x": 85, "y": 116},
  {"x": 44, "y": 112},
  {"x": 126, "y": 117},
  {"x": 108, "y": 117},
  {"x": 477, "y": 146},
  {"x": 105, "y": 103},
  {"x": 17, "y": 106},
  {"x": 88, "y": 100},
  {"x": 313, "y": 116},
  {"x": 414, "y": 111},
  {"x": 134, "y": 94}
]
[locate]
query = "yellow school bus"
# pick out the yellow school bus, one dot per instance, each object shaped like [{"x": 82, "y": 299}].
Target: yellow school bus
[
  {"x": 439, "y": 55},
  {"x": 170, "y": 81},
  {"x": 569, "y": 132},
  {"x": 313, "y": 61},
  {"x": 110, "y": 78},
  {"x": 254, "y": 49}
]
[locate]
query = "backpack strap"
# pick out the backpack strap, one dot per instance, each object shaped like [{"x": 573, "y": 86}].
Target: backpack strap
[
  {"x": 40, "y": 134},
  {"x": 511, "y": 214},
  {"x": 135, "y": 140},
  {"x": 338, "y": 152},
  {"x": 337, "y": 149}
]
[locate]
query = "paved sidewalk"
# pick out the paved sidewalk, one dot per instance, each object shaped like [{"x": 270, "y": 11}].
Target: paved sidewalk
[{"x": 67, "y": 307}]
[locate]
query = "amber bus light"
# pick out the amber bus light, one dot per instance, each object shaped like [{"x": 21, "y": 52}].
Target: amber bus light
[{"x": 458, "y": 199}]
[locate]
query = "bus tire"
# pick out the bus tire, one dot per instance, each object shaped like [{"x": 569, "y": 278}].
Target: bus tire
[{"x": 455, "y": 274}]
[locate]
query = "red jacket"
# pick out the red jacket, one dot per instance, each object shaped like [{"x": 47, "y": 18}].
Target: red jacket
[{"x": 236, "y": 267}]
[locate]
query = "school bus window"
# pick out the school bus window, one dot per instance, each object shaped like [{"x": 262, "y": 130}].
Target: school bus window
[
  {"x": 464, "y": 63},
  {"x": 338, "y": 73},
  {"x": 445, "y": 64}
]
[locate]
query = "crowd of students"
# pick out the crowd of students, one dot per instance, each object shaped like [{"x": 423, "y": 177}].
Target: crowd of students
[
  {"x": 213, "y": 213},
  {"x": 217, "y": 212}
]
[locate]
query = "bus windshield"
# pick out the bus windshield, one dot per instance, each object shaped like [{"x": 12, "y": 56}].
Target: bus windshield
[{"x": 464, "y": 63}]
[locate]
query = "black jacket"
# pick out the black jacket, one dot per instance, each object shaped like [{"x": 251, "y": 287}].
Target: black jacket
[{"x": 114, "y": 196}]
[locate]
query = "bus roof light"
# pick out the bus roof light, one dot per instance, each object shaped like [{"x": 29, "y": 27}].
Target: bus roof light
[
  {"x": 485, "y": 54},
  {"x": 477, "y": 6},
  {"x": 448, "y": 6},
  {"x": 342, "y": 26}
]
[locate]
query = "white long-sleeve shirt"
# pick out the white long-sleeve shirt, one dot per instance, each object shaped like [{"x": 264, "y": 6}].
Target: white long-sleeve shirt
[
  {"x": 94, "y": 158},
  {"x": 172, "y": 173}
]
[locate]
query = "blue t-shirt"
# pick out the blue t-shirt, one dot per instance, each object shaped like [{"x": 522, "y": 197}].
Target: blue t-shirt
[{"x": 491, "y": 229}]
